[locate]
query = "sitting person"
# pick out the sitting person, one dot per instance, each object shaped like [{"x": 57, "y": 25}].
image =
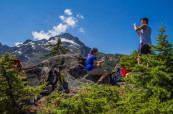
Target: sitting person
[{"x": 93, "y": 67}]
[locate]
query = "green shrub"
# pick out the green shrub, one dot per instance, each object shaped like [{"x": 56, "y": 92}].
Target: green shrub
[
  {"x": 91, "y": 99},
  {"x": 13, "y": 91},
  {"x": 129, "y": 61}
]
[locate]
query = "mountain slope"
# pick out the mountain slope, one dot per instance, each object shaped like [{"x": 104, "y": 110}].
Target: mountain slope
[
  {"x": 3, "y": 48},
  {"x": 33, "y": 51}
]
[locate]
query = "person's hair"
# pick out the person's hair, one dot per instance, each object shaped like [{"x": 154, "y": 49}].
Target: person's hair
[
  {"x": 93, "y": 50},
  {"x": 145, "y": 19},
  {"x": 17, "y": 62}
]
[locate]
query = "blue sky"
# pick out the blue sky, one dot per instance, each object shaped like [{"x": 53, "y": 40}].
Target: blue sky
[{"x": 104, "y": 24}]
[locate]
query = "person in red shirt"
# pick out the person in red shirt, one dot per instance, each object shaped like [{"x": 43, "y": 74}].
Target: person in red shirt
[{"x": 19, "y": 67}]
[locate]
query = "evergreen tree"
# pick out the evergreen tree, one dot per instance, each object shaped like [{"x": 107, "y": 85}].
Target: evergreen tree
[
  {"x": 164, "y": 51},
  {"x": 12, "y": 89},
  {"x": 57, "y": 49},
  {"x": 129, "y": 61}
]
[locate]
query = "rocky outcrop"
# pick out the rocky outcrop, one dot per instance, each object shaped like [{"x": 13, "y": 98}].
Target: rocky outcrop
[
  {"x": 33, "y": 75},
  {"x": 70, "y": 65},
  {"x": 77, "y": 70}
]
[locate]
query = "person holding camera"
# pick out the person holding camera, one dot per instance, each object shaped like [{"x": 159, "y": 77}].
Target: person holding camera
[
  {"x": 94, "y": 67},
  {"x": 145, "y": 39}
]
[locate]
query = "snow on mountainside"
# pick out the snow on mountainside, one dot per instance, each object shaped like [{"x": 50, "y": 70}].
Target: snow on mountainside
[{"x": 33, "y": 52}]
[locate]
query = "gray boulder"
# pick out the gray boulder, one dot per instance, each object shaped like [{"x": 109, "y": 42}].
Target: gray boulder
[
  {"x": 33, "y": 75},
  {"x": 74, "y": 72},
  {"x": 80, "y": 70}
]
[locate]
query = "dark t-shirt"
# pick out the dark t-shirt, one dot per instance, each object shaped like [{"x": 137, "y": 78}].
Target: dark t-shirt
[{"x": 90, "y": 63}]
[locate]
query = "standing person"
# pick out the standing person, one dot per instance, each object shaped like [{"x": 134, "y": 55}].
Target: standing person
[
  {"x": 93, "y": 67},
  {"x": 145, "y": 39}
]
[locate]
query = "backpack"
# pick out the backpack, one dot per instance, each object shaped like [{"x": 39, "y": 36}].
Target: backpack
[
  {"x": 55, "y": 82},
  {"x": 115, "y": 77},
  {"x": 53, "y": 77},
  {"x": 119, "y": 77}
]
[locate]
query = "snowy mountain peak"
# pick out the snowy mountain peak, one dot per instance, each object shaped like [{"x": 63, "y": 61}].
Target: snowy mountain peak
[
  {"x": 27, "y": 41},
  {"x": 33, "y": 51}
]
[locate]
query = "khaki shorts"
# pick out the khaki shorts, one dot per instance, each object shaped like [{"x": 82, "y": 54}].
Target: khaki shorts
[{"x": 97, "y": 71}]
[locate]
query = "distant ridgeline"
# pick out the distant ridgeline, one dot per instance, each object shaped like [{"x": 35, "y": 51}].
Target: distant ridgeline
[
  {"x": 32, "y": 52},
  {"x": 112, "y": 60}
]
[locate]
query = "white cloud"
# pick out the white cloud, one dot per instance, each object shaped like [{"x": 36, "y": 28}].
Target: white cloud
[
  {"x": 40, "y": 35},
  {"x": 71, "y": 21},
  {"x": 62, "y": 17},
  {"x": 81, "y": 30},
  {"x": 80, "y": 16},
  {"x": 68, "y": 21},
  {"x": 68, "y": 12},
  {"x": 58, "y": 30},
  {"x": 18, "y": 43},
  {"x": 54, "y": 32}
]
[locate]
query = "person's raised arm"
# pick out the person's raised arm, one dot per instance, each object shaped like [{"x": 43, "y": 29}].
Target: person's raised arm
[
  {"x": 138, "y": 33},
  {"x": 137, "y": 29}
]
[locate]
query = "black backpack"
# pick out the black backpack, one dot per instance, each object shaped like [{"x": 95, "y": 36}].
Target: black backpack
[{"x": 52, "y": 79}]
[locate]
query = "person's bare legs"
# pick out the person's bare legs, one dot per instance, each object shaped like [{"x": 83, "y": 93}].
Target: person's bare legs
[
  {"x": 103, "y": 76},
  {"x": 139, "y": 60}
]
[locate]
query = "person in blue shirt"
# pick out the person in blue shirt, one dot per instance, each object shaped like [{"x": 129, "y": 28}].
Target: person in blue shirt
[{"x": 93, "y": 67}]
